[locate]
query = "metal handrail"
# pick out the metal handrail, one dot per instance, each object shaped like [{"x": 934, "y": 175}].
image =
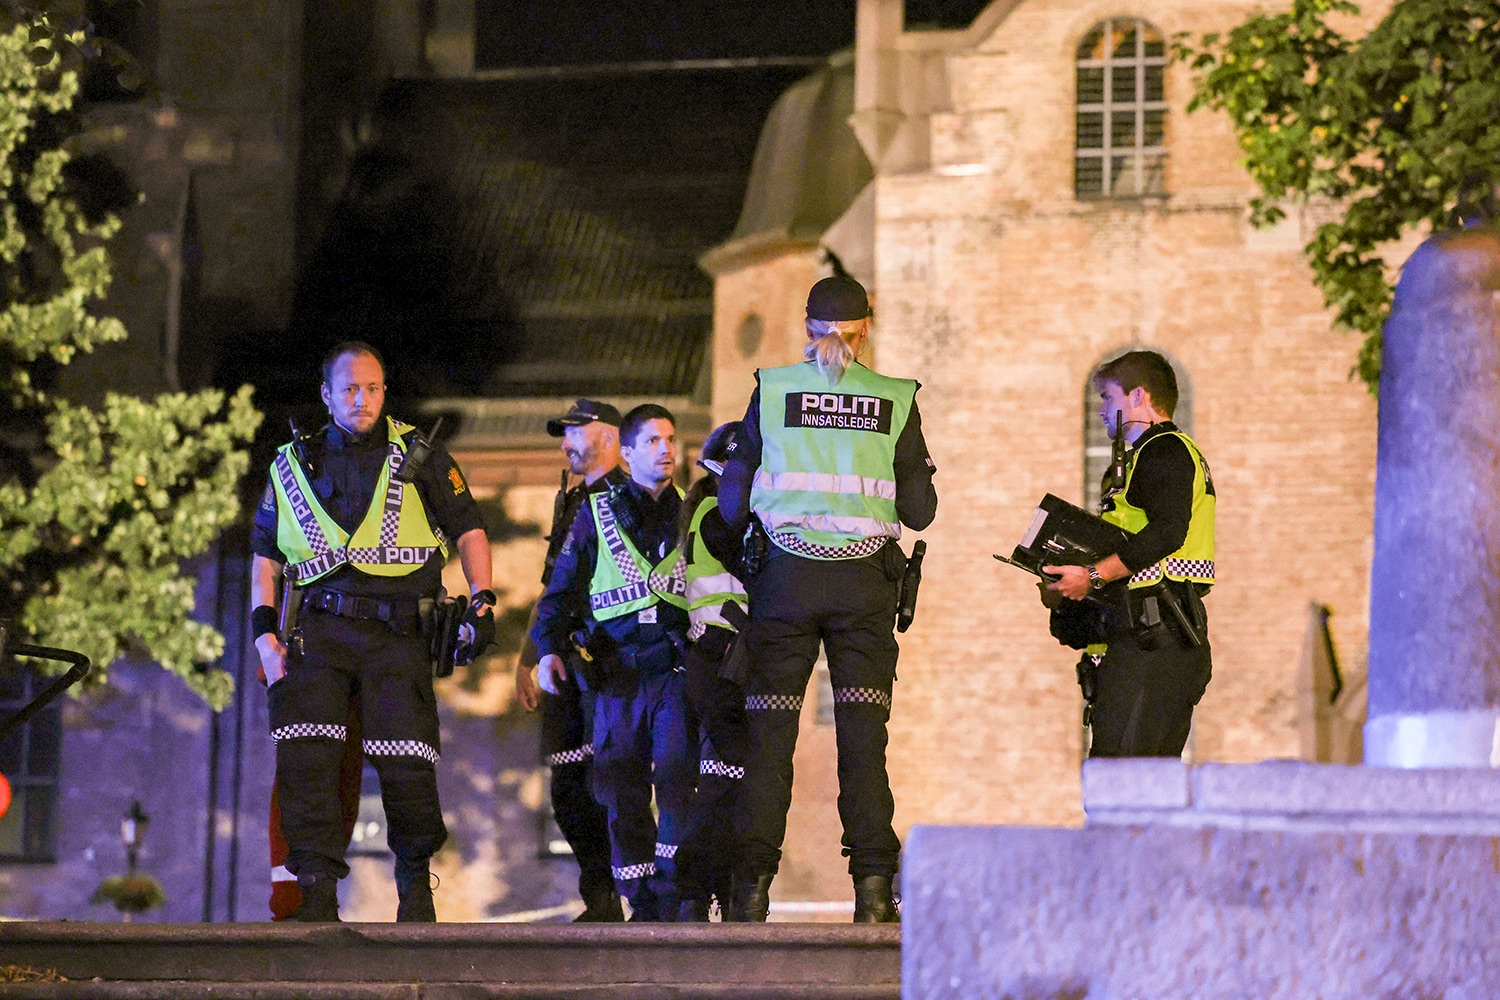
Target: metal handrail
[{"x": 79, "y": 670}]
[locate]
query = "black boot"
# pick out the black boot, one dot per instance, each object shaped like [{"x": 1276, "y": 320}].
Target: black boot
[
  {"x": 752, "y": 900},
  {"x": 601, "y": 906},
  {"x": 320, "y": 899},
  {"x": 692, "y": 911},
  {"x": 873, "y": 902},
  {"x": 414, "y": 888}
]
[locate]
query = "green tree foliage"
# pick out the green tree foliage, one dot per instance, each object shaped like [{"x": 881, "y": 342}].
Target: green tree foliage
[
  {"x": 1399, "y": 129},
  {"x": 98, "y": 507}
]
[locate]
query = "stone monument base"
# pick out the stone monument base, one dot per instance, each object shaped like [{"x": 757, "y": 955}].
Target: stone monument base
[{"x": 1265, "y": 881}]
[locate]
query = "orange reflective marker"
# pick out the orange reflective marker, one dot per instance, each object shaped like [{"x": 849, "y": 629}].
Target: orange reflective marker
[{"x": 4, "y": 795}]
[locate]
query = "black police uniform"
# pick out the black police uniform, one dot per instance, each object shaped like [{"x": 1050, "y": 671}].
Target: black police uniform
[
  {"x": 568, "y": 736},
  {"x": 361, "y": 637},
  {"x": 849, "y": 607},
  {"x": 640, "y": 726},
  {"x": 1149, "y": 681},
  {"x": 716, "y": 714}
]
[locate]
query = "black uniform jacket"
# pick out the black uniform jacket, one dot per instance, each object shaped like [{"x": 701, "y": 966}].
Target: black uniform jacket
[
  {"x": 651, "y": 525},
  {"x": 916, "y": 499},
  {"x": 348, "y": 468}
]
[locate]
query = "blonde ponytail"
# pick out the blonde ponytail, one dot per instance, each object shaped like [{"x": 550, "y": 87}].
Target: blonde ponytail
[{"x": 829, "y": 349}]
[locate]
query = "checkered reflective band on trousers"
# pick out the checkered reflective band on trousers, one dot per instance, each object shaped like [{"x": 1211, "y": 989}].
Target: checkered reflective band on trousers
[
  {"x": 773, "y": 702},
  {"x": 401, "y": 748},
  {"x": 635, "y": 871},
  {"x": 666, "y": 850},
  {"x": 720, "y": 768},
  {"x": 854, "y": 550},
  {"x": 871, "y": 696},
  {"x": 304, "y": 730},
  {"x": 575, "y": 756}
]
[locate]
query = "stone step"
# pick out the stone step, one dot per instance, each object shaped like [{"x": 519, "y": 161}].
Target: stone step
[{"x": 452, "y": 961}]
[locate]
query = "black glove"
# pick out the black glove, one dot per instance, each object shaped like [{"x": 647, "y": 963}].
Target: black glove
[{"x": 475, "y": 634}]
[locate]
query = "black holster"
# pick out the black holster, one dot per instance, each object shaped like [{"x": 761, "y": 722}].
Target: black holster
[
  {"x": 442, "y": 616},
  {"x": 598, "y": 658},
  {"x": 1167, "y": 609}
]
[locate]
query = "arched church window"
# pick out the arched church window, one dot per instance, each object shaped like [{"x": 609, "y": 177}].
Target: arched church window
[
  {"x": 1122, "y": 111},
  {"x": 1096, "y": 443}
]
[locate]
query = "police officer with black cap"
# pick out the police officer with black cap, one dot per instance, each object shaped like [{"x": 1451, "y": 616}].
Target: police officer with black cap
[
  {"x": 832, "y": 463},
  {"x": 590, "y": 433},
  {"x": 619, "y": 578},
  {"x": 365, "y": 547}
]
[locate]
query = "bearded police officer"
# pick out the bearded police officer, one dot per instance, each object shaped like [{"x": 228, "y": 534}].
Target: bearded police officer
[
  {"x": 590, "y": 434},
  {"x": 715, "y": 691},
  {"x": 1157, "y": 664},
  {"x": 364, "y": 548},
  {"x": 832, "y": 464},
  {"x": 619, "y": 578}
]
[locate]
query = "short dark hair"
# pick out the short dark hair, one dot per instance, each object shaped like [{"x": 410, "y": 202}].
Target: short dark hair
[
  {"x": 1142, "y": 370},
  {"x": 636, "y": 419},
  {"x": 344, "y": 347}
]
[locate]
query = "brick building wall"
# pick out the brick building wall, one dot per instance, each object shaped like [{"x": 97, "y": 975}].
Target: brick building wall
[{"x": 1000, "y": 290}]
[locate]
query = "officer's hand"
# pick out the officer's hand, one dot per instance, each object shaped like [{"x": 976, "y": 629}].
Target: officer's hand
[
  {"x": 551, "y": 671},
  {"x": 1074, "y": 582},
  {"x": 272, "y": 657},
  {"x": 475, "y": 634},
  {"x": 526, "y": 690},
  {"x": 1050, "y": 598}
]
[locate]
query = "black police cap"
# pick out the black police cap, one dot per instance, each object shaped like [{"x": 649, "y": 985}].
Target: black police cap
[
  {"x": 837, "y": 299},
  {"x": 584, "y": 411}
]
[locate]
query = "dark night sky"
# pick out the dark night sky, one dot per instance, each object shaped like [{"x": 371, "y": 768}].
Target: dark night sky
[{"x": 514, "y": 33}]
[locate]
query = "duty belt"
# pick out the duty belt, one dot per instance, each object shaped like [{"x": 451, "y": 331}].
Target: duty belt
[{"x": 399, "y": 614}]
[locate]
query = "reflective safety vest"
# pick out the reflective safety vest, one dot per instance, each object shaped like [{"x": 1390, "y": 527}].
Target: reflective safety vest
[
  {"x": 624, "y": 582},
  {"x": 826, "y": 486},
  {"x": 709, "y": 584},
  {"x": 394, "y": 539},
  {"x": 1195, "y": 559}
]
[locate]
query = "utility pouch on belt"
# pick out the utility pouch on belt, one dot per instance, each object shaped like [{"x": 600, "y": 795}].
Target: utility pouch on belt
[{"x": 447, "y": 615}]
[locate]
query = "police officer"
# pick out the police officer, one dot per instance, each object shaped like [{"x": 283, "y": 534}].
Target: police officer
[
  {"x": 1157, "y": 663},
  {"x": 590, "y": 434},
  {"x": 618, "y": 576},
  {"x": 832, "y": 464},
  {"x": 715, "y": 691},
  {"x": 365, "y": 548}
]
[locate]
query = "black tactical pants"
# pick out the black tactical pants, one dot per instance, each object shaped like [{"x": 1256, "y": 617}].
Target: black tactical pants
[
  {"x": 849, "y": 607},
  {"x": 344, "y": 659},
  {"x": 716, "y": 707},
  {"x": 1144, "y": 699},
  {"x": 568, "y": 749}
]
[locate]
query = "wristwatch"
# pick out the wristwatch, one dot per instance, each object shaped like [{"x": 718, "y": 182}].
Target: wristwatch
[{"x": 1096, "y": 582}]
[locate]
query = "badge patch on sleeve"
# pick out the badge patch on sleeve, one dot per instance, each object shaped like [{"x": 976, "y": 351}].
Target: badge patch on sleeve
[
  {"x": 842, "y": 411},
  {"x": 457, "y": 479}
]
